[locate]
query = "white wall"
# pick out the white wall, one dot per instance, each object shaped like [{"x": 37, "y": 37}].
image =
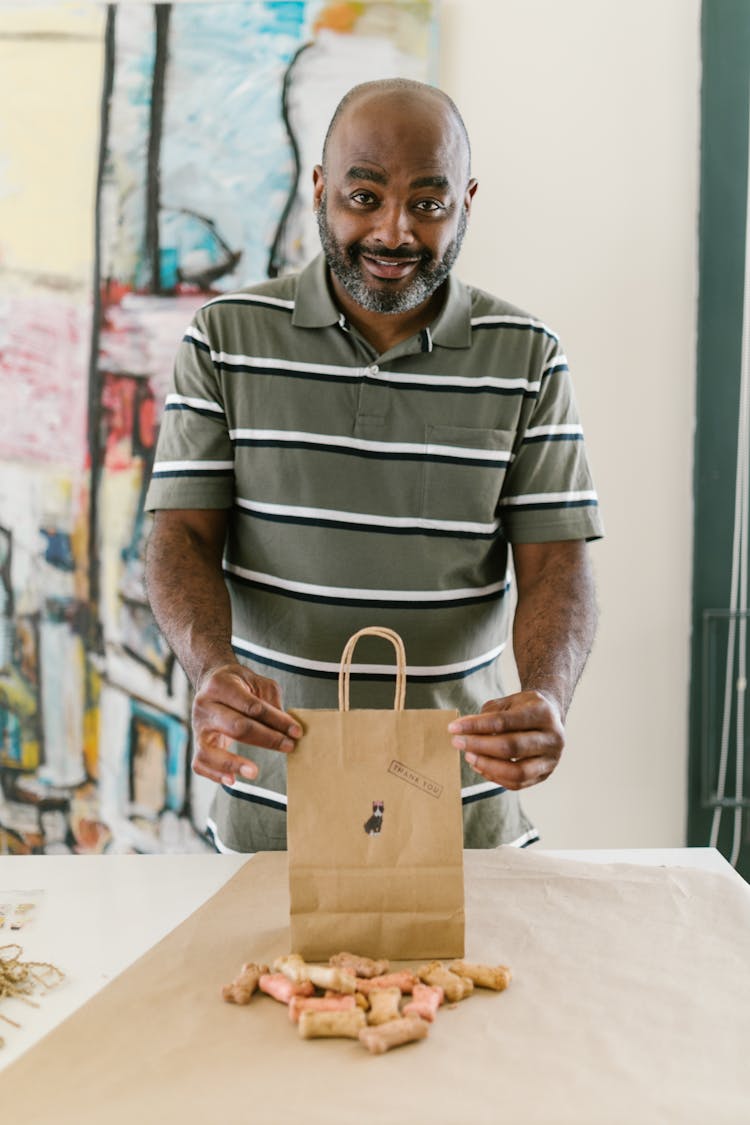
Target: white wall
[{"x": 584, "y": 119}]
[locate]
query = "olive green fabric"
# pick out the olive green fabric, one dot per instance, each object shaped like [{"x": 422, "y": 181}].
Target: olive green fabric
[{"x": 371, "y": 489}]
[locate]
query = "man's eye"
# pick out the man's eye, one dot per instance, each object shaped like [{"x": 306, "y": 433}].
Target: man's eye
[
  {"x": 362, "y": 197},
  {"x": 429, "y": 205}
]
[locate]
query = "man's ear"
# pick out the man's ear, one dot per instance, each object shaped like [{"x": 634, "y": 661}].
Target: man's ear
[
  {"x": 318, "y": 185},
  {"x": 469, "y": 194}
]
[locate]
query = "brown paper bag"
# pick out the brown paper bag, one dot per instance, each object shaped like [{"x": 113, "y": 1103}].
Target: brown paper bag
[{"x": 374, "y": 828}]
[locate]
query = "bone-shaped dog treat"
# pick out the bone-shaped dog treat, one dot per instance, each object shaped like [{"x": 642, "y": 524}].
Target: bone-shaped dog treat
[
  {"x": 384, "y": 1005},
  {"x": 393, "y": 1034},
  {"x": 282, "y": 989},
  {"x": 336, "y": 1003},
  {"x": 340, "y": 1012},
  {"x": 292, "y": 966},
  {"x": 326, "y": 976},
  {"x": 497, "y": 977},
  {"x": 359, "y": 966},
  {"x": 323, "y": 976},
  {"x": 360, "y": 999},
  {"x": 403, "y": 979},
  {"x": 425, "y": 1002},
  {"x": 454, "y": 986},
  {"x": 331, "y": 1025},
  {"x": 244, "y": 984}
]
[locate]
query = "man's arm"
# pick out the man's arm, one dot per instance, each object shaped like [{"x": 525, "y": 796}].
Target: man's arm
[
  {"x": 191, "y": 606},
  {"x": 517, "y": 741}
]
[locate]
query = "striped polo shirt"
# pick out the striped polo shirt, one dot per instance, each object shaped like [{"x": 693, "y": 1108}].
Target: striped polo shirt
[{"x": 371, "y": 489}]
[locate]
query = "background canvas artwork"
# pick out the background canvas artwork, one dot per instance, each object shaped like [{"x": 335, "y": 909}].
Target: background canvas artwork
[{"x": 157, "y": 154}]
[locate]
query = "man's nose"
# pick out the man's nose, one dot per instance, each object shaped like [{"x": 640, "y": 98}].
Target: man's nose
[{"x": 393, "y": 226}]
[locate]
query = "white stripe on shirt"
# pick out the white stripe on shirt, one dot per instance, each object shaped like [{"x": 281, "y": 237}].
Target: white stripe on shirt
[
  {"x": 529, "y": 837},
  {"x": 514, "y": 322},
  {"x": 421, "y": 449},
  {"x": 183, "y": 466},
  {"x": 544, "y": 431},
  {"x": 198, "y": 403},
  {"x": 366, "y": 518},
  {"x": 258, "y": 791},
  {"x": 484, "y": 787},
  {"x": 354, "y": 593},
  {"x": 556, "y": 361},
  {"x": 220, "y": 845},
  {"x": 414, "y": 670},
  {"x": 231, "y": 359},
  {"x": 548, "y": 498},
  {"x": 251, "y": 298},
  {"x": 196, "y": 334}
]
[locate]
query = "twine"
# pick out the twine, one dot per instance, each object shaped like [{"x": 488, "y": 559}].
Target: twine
[{"x": 20, "y": 979}]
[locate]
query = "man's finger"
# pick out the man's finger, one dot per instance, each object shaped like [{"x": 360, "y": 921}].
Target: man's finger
[
  {"x": 269, "y": 716},
  {"x": 234, "y": 691},
  {"x": 517, "y": 774},
  {"x": 223, "y": 767},
  {"x": 529, "y": 717},
  {"x": 508, "y": 747},
  {"x": 225, "y": 721}
]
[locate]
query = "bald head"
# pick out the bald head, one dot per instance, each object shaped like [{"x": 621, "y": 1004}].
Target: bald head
[
  {"x": 400, "y": 96},
  {"x": 392, "y": 198}
]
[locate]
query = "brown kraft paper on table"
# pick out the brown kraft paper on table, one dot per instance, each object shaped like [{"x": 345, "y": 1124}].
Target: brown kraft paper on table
[
  {"x": 629, "y": 1005},
  {"x": 374, "y": 828}
]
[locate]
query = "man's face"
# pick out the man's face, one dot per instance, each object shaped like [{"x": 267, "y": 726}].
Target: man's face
[
  {"x": 369, "y": 273},
  {"x": 392, "y": 205}
]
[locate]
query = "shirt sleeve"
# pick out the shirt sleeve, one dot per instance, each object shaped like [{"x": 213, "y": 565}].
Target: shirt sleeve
[
  {"x": 548, "y": 493},
  {"x": 194, "y": 461}
]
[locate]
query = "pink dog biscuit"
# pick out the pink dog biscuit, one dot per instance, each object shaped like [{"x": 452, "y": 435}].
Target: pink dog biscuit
[
  {"x": 336, "y": 1003},
  {"x": 244, "y": 984},
  {"x": 359, "y": 966},
  {"x": 393, "y": 1034},
  {"x": 404, "y": 979},
  {"x": 360, "y": 999},
  {"x": 426, "y": 1000},
  {"x": 497, "y": 977},
  {"x": 282, "y": 989}
]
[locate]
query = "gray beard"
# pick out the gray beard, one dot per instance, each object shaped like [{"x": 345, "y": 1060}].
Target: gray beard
[{"x": 345, "y": 267}]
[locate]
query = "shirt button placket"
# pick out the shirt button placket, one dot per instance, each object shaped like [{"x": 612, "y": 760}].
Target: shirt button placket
[{"x": 371, "y": 405}]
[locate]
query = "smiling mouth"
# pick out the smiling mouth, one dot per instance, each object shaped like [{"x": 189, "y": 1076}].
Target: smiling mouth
[{"x": 389, "y": 269}]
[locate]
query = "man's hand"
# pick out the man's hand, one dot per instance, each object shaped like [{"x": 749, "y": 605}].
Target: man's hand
[
  {"x": 233, "y": 704},
  {"x": 515, "y": 742}
]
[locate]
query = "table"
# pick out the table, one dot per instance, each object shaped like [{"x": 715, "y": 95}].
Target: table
[
  {"x": 95, "y": 915},
  {"x": 630, "y": 998}
]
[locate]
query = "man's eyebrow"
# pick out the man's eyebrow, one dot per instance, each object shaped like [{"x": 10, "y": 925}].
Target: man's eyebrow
[
  {"x": 431, "y": 181},
  {"x": 358, "y": 173}
]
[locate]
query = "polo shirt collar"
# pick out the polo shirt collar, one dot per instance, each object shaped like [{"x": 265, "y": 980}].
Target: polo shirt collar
[
  {"x": 451, "y": 328},
  {"x": 314, "y": 307},
  {"x": 313, "y": 304}
]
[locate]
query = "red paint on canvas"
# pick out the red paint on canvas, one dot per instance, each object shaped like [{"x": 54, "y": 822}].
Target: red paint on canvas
[{"x": 44, "y": 350}]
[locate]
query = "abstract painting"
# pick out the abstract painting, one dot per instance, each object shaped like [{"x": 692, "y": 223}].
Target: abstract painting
[{"x": 156, "y": 155}]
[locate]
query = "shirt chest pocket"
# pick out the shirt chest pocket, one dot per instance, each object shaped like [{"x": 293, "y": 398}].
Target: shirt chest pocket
[{"x": 464, "y": 471}]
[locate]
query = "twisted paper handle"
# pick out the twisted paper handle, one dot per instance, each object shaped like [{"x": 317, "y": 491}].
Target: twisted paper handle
[{"x": 346, "y": 664}]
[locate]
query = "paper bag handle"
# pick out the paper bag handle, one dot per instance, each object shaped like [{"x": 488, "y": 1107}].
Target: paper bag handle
[{"x": 346, "y": 664}]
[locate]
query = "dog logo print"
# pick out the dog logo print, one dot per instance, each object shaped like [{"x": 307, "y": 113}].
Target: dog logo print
[{"x": 374, "y": 823}]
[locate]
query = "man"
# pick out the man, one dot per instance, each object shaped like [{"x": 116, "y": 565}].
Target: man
[{"x": 360, "y": 445}]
